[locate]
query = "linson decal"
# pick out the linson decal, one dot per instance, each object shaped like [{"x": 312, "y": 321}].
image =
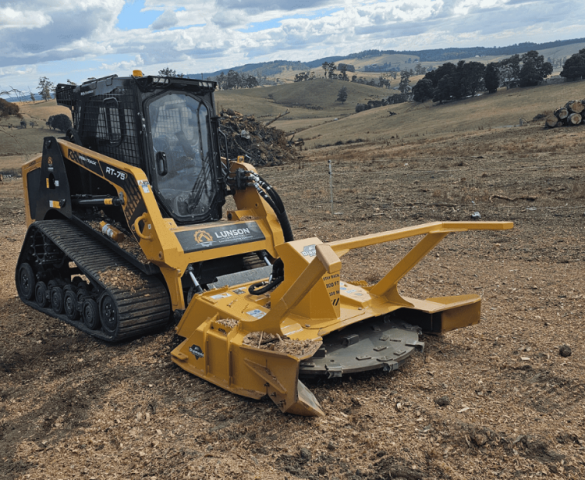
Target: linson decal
[{"x": 219, "y": 236}]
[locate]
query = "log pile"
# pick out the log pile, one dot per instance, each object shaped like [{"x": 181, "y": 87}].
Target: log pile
[
  {"x": 573, "y": 113},
  {"x": 260, "y": 144}
]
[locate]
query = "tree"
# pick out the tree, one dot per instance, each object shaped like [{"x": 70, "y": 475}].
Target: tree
[
  {"x": 45, "y": 88},
  {"x": 221, "y": 81},
  {"x": 404, "y": 81},
  {"x": 444, "y": 89},
  {"x": 8, "y": 108},
  {"x": 342, "y": 95},
  {"x": 440, "y": 72},
  {"x": 169, "y": 72},
  {"x": 300, "y": 77},
  {"x": 534, "y": 69},
  {"x": 574, "y": 66},
  {"x": 343, "y": 70},
  {"x": 470, "y": 78},
  {"x": 510, "y": 71},
  {"x": 331, "y": 69},
  {"x": 423, "y": 90},
  {"x": 249, "y": 81},
  {"x": 529, "y": 74},
  {"x": 325, "y": 67},
  {"x": 492, "y": 77},
  {"x": 384, "y": 82},
  {"x": 233, "y": 80}
]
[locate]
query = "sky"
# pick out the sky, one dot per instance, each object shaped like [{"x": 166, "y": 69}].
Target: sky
[{"x": 94, "y": 38}]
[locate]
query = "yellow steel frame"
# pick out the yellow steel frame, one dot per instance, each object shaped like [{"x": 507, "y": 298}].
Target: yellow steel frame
[{"x": 304, "y": 308}]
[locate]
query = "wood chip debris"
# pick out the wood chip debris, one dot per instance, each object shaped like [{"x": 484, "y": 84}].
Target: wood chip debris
[
  {"x": 122, "y": 278},
  {"x": 129, "y": 244},
  {"x": 227, "y": 322},
  {"x": 276, "y": 343}
]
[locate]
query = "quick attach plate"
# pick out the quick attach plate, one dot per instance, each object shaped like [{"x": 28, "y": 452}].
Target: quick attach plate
[{"x": 368, "y": 345}]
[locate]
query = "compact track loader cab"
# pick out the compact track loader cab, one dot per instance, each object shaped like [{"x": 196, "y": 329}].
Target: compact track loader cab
[{"x": 126, "y": 226}]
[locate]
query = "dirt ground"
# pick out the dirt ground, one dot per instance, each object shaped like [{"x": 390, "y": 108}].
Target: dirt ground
[{"x": 511, "y": 405}]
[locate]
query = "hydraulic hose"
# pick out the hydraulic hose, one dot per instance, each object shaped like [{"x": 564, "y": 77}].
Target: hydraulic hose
[
  {"x": 273, "y": 199},
  {"x": 275, "y": 279}
]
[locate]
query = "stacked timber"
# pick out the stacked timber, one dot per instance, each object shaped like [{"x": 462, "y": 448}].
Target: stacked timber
[{"x": 573, "y": 113}]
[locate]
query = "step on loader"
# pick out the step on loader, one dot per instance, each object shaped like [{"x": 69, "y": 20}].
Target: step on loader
[{"x": 126, "y": 225}]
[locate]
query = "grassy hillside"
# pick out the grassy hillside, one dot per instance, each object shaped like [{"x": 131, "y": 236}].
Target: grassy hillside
[
  {"x": 288, "y": 73},
  {"x": 43, "y": 110},
  {"x": 501, "y": 110},
  {"x": 16, "y": 141},
  {"x": 555, "y": 53},
  {"x": 313, "y": 99}
]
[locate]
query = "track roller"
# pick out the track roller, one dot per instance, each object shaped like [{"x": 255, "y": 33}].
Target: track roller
[{"x": 66, "y": 273}]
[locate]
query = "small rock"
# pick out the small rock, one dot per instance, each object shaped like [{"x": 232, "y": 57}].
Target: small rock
[
  {"x": 443, "y": 401},
  {"x": 305, "y": 454},
  {"x": 322, "y": 470},
  {"x": 380, "y": 454},
  {"x": 331, "y": 446},
  {"x": 565, "y": 351},
  {"x": 479, "y": 438}
]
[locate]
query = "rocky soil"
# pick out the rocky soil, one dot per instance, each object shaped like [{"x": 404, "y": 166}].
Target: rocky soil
[{"x": 496, "y": 400}]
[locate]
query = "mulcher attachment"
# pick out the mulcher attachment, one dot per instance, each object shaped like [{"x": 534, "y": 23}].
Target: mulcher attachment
[
  {"x": 313, "y": 324},
  {"x": 114, "y": 301}
]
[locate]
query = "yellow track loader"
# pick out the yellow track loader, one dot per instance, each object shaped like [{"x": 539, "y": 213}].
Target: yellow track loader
[{"x": 126, "y": 225}]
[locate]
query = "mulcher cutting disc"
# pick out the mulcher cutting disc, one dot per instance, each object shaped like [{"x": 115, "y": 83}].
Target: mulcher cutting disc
[{"x": 375, "y": 344}]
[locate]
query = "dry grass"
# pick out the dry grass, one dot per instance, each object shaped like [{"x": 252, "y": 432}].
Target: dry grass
[
  {"x": 428, "y": 122},
  {"x": 15, "y": 141}
]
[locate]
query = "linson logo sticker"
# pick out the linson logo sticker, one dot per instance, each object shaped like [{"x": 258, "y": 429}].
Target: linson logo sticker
[
  {"x": 309, "y": 251},
  {"x": 203, "y": 238},
  {"x": 219, "y": 236}
]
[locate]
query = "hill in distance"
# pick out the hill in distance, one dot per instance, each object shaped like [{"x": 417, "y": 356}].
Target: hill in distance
[{"x": 437, "y": 56}]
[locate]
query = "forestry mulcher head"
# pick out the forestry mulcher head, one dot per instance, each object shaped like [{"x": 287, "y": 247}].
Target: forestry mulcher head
[
  {"x": 126, "y": 224},
  {"x": 313, "y": 324}
]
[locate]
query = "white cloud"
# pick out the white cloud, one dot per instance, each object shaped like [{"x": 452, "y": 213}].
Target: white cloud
[
  {"x": 168, "y": 19},
  {"x": 73, "y": 30},
  {"x": 126, "y": 66},
  {"x": 26, "y": 19},
  {"x": 194, "y": 36},
  {"x": 15, "y": 71}
]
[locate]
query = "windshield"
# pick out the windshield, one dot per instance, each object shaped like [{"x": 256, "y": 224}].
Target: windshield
[{"x": 180, "y": 139}]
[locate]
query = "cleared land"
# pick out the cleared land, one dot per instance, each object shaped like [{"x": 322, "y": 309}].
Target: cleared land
[{"x": 73, "y": 407}]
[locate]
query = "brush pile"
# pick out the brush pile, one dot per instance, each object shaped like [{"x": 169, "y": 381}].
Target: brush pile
[
  {"x": 259, "y": 144},
  {"x": 573, "y": 113}
]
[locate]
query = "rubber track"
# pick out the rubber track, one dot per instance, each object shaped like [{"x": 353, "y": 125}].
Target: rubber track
[{"x": 146, "y": 310}]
